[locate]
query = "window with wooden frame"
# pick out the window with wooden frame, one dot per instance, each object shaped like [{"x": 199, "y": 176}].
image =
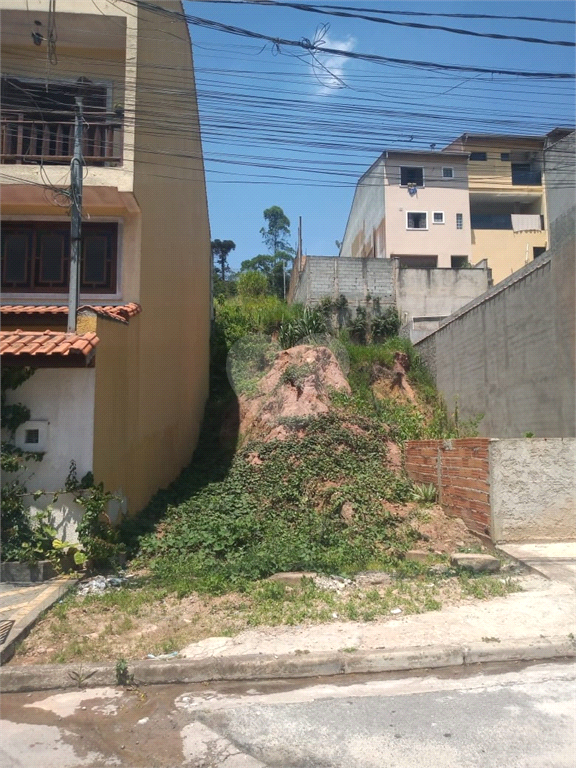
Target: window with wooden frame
[{"x": 36, "y": 257}]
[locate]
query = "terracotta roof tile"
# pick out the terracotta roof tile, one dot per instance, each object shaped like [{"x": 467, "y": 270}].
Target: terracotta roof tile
[
  {"x": 117, "y": 312},
  {"x": 46, "y": 343}
]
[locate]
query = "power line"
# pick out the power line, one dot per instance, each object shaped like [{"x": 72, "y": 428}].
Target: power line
[
  {"x": 403, "y": 13},
  {"x": 331, "y": 10},
  {"x": 313, "y": 48}
]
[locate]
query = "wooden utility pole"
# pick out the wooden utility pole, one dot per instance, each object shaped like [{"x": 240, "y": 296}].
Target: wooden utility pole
[{"x": 76, "y": 170}]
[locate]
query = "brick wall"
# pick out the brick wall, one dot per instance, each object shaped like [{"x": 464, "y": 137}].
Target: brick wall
[{"x": 460, "y": 469}]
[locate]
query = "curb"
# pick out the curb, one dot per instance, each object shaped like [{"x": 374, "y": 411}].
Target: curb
[{"x": 17, "y": 679}]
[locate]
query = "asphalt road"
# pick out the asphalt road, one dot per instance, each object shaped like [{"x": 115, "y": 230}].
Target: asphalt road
[{"x": 506, "y": 716}]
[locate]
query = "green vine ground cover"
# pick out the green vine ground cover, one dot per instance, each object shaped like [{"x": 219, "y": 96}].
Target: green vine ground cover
[{"x": 324, "y": 499}]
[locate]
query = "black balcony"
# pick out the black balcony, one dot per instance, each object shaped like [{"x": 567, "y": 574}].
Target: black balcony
[{"x": 523, "y": 175}]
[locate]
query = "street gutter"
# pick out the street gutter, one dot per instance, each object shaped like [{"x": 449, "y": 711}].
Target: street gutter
[{"x": 24, "y": 678}]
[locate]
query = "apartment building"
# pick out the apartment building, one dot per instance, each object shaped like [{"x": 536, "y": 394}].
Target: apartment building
[
  {"x": 123, "y": 395},
  {"x": 412, "y": 206},
  {"x": 507, "y": 202}
]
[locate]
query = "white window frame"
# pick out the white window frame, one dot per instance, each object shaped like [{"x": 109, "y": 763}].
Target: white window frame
[
  {"x": 438, "y": 213},
  {"x": 447, "y": 168},
  {"x": 421, "y": 167},
  {"x": 417, "y": 229}
]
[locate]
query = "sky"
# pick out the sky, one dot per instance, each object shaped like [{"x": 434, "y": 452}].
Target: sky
[{"x": 281, "y": 127}]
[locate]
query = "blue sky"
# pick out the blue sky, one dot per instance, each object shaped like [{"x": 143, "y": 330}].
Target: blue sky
[{"x": 282, "y": 129}]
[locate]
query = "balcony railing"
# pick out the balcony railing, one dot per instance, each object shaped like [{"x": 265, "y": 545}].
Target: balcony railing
[
  {"x": 29, "y": 140},
  {"x": 524, "y": 176}
]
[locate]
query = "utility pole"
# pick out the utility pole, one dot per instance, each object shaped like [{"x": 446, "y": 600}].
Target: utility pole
[
  {"x": 299, "y": 243},
  {"x": 76, "y": 169}
]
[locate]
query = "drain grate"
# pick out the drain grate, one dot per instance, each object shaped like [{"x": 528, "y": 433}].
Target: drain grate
[{"x": 5, "y": 627}]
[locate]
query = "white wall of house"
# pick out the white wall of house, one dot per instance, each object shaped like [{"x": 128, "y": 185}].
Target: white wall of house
[
  {"x": 446, "y": 196},
  {"x": 61, "y": 403}
]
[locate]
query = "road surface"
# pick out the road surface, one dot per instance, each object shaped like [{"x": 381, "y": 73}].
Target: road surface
[{"x": 505, "y": 716}]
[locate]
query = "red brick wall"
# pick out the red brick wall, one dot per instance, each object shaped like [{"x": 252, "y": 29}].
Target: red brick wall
[{"x": 460, "y": 470}]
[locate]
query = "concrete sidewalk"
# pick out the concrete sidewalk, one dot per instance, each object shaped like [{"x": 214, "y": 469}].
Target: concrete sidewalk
[
  {"x": 554, "y": 560},
  {"x": 21, "y": 604}
]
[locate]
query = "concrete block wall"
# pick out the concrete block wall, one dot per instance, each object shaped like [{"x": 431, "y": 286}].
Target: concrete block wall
[
  {"x": 460, "y": 471},
  {"x": 511, "y": 490},
  {"x": 498, "y": 356},
  {"x": 357, "y": 279}
]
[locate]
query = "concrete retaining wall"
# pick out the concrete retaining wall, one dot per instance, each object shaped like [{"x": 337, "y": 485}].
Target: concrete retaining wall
[
  {"x": 533, "y": 489},
  {"x": 511, "y": 490},
  {"x": 437, "y": 292}
]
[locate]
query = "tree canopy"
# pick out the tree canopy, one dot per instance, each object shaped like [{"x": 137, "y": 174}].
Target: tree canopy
[{"x": 220, "y": 251}]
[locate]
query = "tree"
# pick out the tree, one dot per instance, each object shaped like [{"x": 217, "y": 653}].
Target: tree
[
  {"x": 220, "y": 251},
  {"x": 251, "y": 285},
  {"x": 274, "y": 264},
  {"x": 276, "y": 234}
]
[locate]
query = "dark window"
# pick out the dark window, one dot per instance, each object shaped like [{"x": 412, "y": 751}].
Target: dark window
[
  {"x": 477, "y": 155},
  {"x": 417, "y": 220},
  {"x": 459, "y": 262},
  {"x": 538, "y": 251},
  {"x": 505, "y": 156},
  {"x": 32, "y": 436},
  {"x": 438, "y": 217},
  {"x": 16, "y": 249},
  {"x": 459, "y": 221},
  {"x": 447, "y": 173},
  {"x": 36, "y": 257},
  {"x": 409, "y": 175},
  {"x": 491, "y": 221},
  {"x": 418, "y": 262},
  {"x": 524, "y": 175}
]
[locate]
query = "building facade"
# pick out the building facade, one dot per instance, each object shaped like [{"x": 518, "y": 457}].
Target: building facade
[
  {"x": 412, "y": 206},
  {"x": 124, "y": 395},
  {"x": 507, "y": 202}
]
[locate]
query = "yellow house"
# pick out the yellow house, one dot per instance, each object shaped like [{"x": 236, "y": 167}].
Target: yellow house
[
  {"x": 124, "y": 395},
  {"x": 507, "y": 202}
]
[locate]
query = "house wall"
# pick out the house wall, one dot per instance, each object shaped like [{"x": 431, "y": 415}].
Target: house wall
[
  {"x": 494, "y": 173},
  {"x": 437, "y": 292},
  {"x": 365, "y": 230},
  {"x": 357, "y": 279},
  {"x": 116, "y": 407},
  {"x": 62, "y": 399},
  {"x": 506, "y": 251},
  {"x": 170, "y": 368},
  {"x": 438, "y": 194},
  {"x": 512, "y": 490}
]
